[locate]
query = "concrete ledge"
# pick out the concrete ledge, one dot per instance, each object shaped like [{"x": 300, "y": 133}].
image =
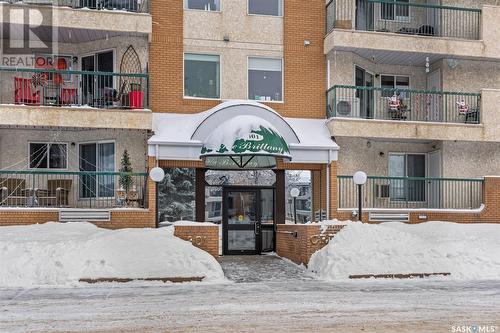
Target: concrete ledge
[
  {"x": 103, "y": 20},
  {"x": 162, "y": 279},
  {"x": 397, "y": 276},
  {"x": 401, "y": 130},
  {"x": 79, "y": 117}
]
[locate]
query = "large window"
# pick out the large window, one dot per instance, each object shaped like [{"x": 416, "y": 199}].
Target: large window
[
  {"x": 97, "y": 157},
  {"x": 407, "y": 165},
  {"x": 265, "y": 7},
  {"x": 176, "y": 195},
  {"x": 392, "y": 82},
  {"x": 201, "y": 75},
  {"x": 210, "y": 5},
  {"x": 392, "y": 12},
  {"x": 265, "y": 79},
  {"x": 48, "y": 156}
]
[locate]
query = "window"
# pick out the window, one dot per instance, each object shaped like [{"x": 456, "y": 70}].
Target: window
[
  {"x": 48, "y": 156},
  {"x": 394, "y": 12},
  {"x": 176, "y": 195},
  {"x": 391, "y": 82},
  {"x": 265, "y": 7},
  {"x": 407, "y": 165},
  {"x": 265, "y": 79},
  {"x": 201, "y": 75},
  {"x": 209, "y": 5},
  {"x": 97, "y": 157}
]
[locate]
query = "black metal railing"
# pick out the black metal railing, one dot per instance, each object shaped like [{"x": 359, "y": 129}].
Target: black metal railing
[
  {"x": 403, "y": 104},
  {"x": 79, "y": 189},
  {"x": 412, "y": 192},
  {"x": 408, "y": 18},
  {"x": 137, "y": 6},
  {"x": 49, "y": 87}
]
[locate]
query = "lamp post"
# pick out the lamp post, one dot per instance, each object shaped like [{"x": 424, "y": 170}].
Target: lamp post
[
  {"x": 294, "y": 193},
  {"x": 157, "y": 175},
  {"x": 360, "y": 179}
]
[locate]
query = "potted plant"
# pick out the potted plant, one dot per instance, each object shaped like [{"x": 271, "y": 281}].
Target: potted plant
[{"x": 125, "y": 180}]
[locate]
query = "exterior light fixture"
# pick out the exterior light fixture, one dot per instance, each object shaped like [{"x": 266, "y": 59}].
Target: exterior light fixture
[
  {"x": 360, "y": 179},
  {"x": 157, "y": 174},
  {"x": 294, "y": 193}
]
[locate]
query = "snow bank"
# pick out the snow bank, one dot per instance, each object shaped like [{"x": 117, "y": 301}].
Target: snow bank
[
  {"x": 467, "y": 251},
  {"x": 62, "y": 253}
]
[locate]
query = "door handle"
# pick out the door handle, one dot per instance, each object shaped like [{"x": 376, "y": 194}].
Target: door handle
[{"x": 256, "y": 228}]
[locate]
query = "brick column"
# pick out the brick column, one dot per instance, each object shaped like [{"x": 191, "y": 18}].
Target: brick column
[{"x": 333, "y": 190}]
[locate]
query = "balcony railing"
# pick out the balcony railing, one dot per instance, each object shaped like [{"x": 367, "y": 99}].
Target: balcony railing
[
  {"x": 412, "y": 193},
  {"x": 403, "y": 104},
  {"x": 66, "y": 189},
  {"x": 66, "y": 88},
  {"x": 408, "y": 18},
  {"x": 138, "y": 6}
]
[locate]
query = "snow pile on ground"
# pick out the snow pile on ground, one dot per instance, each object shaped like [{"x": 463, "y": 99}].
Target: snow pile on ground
[
  {"x": 63, "y": 253},
  {"x": 467, "y": 251}
]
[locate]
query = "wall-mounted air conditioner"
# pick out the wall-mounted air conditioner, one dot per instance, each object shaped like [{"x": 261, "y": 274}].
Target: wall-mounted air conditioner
[{"x": 348, "y": 107}]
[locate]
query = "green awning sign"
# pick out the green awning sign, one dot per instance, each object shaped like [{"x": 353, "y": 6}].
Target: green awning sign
[{"x": 254, "y": 144}]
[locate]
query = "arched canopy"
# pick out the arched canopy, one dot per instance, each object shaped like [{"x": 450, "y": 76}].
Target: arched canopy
[
  {"x": 242, "y": 129},
  {"x": 244, "y": 142}
]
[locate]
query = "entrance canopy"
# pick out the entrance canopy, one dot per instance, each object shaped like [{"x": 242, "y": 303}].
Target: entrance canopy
[
  {"x": 240, "y": 135},
  {"x": 244, "y": 142}
]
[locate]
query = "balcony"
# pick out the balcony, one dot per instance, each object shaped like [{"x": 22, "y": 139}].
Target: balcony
[
  {"x": 403, "y": 104},
  {"x": 66, "y": 189},
  {"x": 412, "y": 193},
  {"x": 75, "y": 16},
  {"x": 406, "y": 18},
  {"x": 46, "y": 97},
  {"x": 136, "y": 6},
  {"x": 385, "y": 29}
]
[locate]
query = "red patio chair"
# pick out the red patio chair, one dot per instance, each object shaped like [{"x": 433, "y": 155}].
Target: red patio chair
[
  {"x": 68, "y": 96},
  {"x": 23, "y": 93}
]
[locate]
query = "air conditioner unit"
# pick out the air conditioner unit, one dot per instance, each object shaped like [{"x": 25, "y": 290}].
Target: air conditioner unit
[{"x": 348, "y": 107}]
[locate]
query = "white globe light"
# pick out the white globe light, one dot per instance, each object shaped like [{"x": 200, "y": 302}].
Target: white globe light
[
  {"x": 360, "y": 178},
  {"x": 157, "y": 174},
  {"x": 294, "y": 192}
]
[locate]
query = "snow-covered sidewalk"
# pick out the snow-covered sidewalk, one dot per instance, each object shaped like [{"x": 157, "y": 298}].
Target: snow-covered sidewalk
[
  {"x": 64, "y": 253},
  {"x": 466, "y": 251}
]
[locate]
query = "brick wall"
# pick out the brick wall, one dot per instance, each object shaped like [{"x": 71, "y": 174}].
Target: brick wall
[
  {"x": 304, "y": 67},
  {"x": 299, "y": 242},
  {"x": 203, "y": 237}
]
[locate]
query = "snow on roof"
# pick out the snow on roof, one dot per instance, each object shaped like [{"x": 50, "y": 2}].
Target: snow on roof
[{"x": 178, "y": 128}]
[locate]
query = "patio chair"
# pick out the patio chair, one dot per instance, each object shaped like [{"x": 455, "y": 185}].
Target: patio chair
[
  {"x": 23, "y": 93},
  {"x": 12, "y": 192},
  {"x": 57, "y": 193},
  {"x": 69, "y": 96}
]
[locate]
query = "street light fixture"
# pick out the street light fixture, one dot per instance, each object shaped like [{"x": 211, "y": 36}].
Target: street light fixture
[
  {"x": 360, "y": 179},
  {"x": 294, "y": 193}
]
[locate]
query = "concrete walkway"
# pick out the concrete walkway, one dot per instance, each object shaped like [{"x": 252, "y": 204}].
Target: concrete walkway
[{"x": 263, "y": 268}]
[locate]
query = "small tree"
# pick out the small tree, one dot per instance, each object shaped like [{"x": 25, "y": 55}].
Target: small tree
[{"x": 126, "y": 170}]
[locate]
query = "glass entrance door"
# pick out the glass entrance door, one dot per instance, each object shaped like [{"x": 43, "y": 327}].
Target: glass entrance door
[{"x": 241, "y": 221}]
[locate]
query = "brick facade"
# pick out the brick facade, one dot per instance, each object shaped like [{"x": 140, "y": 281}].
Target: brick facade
[
  {"x": 304, "y": 66},
  {"x": 298, "y": 242},
  {"x": 205, "y": 237}
]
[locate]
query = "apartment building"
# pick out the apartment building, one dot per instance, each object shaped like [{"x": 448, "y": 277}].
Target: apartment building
[
  {"x": 413, "y": 92},
  {"x": 73, "y": 98},
  {"x": 222, "y": 102}
]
